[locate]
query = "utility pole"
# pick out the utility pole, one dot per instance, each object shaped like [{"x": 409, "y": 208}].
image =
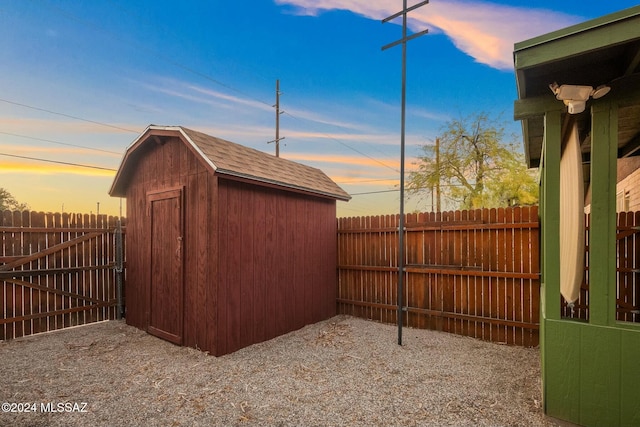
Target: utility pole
[
  {"x": 278, "y": 112},
  {"x": 402, "y": 41},
  {"x": 438, "y": 207}
]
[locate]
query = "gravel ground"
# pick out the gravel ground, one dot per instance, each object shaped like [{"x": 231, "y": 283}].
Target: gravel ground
[{"x": 343, "y": 371}]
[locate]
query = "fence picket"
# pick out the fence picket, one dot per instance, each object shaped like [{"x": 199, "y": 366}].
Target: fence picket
[
  {"x": 472, "y": 273},
  {"x": 56, "y": 271}
]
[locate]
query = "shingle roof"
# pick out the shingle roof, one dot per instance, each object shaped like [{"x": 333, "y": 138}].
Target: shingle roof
[{"x": 228, "y": 158}]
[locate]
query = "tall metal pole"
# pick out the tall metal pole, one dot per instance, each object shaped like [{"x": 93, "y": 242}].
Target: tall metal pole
[
  {"x": 438, "y": 207},
  {"x": 277, "y": 118},
  {"x": 401, "y": 260},
  {"x": 402, "y": 133}
]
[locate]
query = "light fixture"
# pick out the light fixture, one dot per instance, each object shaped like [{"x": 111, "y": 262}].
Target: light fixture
[
  {"x": 600, "y": 91},
  {"x": 575, "y": 96}
]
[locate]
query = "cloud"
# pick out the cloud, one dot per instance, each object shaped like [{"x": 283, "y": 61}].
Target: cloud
[
  {"x": 54, "y": 126},
  {"x": 321, "y": 119},
  {"x": 339, "y": 159},
  {"x": 37, "y": 168},
  {"x": 295, "y": 124},
  {"x": 365, "y": 181},
  {"x": 214, "y": 98},
  {"x": 430, "y": 115},
  {"x": 375, "y": 9},
  {"x": 232, "y": 99},
  {"x": 373, "y": 138},
  {"x": 33, "y": 150},
  {"x": 237, "y": 133},
  {"x": 485, "y": 31},
  {"x": 199, "y": 94}
]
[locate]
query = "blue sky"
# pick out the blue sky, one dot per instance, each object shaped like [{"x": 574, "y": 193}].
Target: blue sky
[{"x": 80, "y": 80}]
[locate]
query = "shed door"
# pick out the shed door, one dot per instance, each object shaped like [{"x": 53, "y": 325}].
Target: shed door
[{"x": 166, "y": 285}]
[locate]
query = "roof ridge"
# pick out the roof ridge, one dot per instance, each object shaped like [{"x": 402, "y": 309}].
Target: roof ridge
[
  {"x": 238, "y": 160},
  {"x": 244, "y": 147}
]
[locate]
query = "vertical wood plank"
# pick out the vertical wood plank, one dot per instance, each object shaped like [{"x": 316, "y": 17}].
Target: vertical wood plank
[
  {"x": 225, "y": 284},
  {"x": 246, "y": 269},
  {"x": 234, "y": 267},
  {"x": 260, "y": 273}
]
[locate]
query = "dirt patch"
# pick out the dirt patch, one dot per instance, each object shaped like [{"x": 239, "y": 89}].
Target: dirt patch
[{"x": 344, "y": 371}]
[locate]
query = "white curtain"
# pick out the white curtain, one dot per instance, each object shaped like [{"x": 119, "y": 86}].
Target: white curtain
[{"x": 571, "y": 218}]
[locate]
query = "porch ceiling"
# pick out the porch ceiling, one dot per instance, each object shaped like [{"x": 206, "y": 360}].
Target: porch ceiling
[{"x": 602, "y": 51}]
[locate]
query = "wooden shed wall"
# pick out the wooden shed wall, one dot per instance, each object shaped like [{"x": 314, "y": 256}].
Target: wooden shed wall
[
  {"x": 277, "y": 263},
  {"x": 167, "y": 166},
  {"x": 258, "y": 262}
]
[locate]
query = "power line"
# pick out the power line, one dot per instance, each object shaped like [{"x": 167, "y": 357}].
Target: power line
[
  {"x": 412, "y": 189},
  {"x": 61, "y": 143},
  {"x": 326, "y": 136},
  {"x": 67, "y": 115},
  {"x": 208, "y": 77},
  {"x": 365, "y": 180},
  {"x": 153, "y": 52},
  {"x": 375, "y": 192},
  {"x": 183, "y": 67},
  {"x": 58, "y": 162}
]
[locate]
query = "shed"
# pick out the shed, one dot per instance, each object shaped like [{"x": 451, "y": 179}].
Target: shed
[
  {"x": 226, "y": 246},
  {"x": 590, "y": 371}
]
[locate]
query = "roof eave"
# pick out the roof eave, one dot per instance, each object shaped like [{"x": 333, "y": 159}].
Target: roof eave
[
  {"x": 343, "y": 197},
  {"x": 117, "y": 187},
  {"x": 542, "y": 52},
  {"x": 582, "y": 27}
]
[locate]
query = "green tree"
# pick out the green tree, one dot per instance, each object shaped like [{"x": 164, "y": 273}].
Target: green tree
[
  {"x": 473, "y": 167},
  {"x": 8, "y": 202}
]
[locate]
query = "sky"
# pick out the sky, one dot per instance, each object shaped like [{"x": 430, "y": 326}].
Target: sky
[{"x": 81, "y": 80}]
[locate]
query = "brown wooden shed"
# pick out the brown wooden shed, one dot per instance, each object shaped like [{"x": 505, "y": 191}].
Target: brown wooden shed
[{"x": 227, "y": 246}]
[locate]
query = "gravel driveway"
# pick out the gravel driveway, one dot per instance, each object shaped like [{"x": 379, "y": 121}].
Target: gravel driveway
[{"x": 343, "y": 371}]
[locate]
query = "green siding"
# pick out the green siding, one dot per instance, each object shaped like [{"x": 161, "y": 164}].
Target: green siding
[
  {"x": 562, "y": 377},
  {"x": 630, "y": 375},
  {"x": 594, "y": 375},
  {"x": 602, "y": 253},
  {"x": 590, "y": 370},
  {"x": 550, "y": 247},
  {"x": 599, "y": 376},
  {"x": 551, "y": 219}
]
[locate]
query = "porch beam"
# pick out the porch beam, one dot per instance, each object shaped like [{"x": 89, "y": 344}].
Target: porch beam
[{"x": 602, "y": 232}]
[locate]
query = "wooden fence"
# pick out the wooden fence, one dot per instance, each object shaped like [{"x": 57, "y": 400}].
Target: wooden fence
[
  {"x": 473, "y": 273},
  {"x": 628, "y": 267},
  {"x": 56, "y": 270},
  {"x": 627, "y": 272}
]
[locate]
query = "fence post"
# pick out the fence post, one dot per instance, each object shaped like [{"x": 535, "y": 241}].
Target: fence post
[{"x": 119, "y": 267}]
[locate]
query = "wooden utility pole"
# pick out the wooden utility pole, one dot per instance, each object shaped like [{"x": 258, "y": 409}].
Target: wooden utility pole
[
  {"x": 405, "y": 10},
  {"x": 278, "y": 112},
  {"x": 438, "y": 207}
]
